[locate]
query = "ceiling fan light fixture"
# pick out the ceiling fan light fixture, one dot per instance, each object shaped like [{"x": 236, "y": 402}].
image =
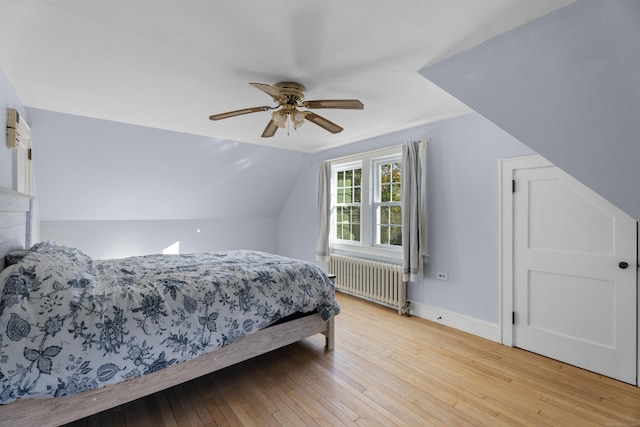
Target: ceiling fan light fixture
[
  {"x": 297, "y": 117},
  {"x": 279, "y": 117}
]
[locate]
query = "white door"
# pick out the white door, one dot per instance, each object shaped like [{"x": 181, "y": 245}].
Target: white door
[{"x": 574, "y": 274}]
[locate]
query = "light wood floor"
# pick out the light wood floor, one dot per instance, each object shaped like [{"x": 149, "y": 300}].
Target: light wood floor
[{"x": 389, "y": 370}]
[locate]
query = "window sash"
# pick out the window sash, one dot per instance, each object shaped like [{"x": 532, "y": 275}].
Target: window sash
[
  {"x": 347, "y": 203},
  {"x": 387, "y": 202}
]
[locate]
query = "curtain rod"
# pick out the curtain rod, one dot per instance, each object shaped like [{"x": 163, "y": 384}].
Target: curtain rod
[
  {"x": 361, "y": 153},
  {"x": 377, "y": 150}
]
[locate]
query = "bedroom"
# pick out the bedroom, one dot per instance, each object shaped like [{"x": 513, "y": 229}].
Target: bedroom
[{"x": 464, "y": 172}]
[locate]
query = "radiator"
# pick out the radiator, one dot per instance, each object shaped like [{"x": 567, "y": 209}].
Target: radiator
[{"x": 375, "y": 281}]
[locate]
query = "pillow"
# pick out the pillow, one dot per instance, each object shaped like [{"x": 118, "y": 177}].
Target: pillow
[
  {"x": 14, "y": 257},
  {"x": 44, "y": 269}
]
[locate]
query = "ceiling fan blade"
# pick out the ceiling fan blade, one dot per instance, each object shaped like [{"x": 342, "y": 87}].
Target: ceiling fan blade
[
  {"x": 346, "y": 104},
  {"x": 270, "y": 90},
  {"x": 322, "y": 122},
  {"x": 270, "y": 130},
  {"x": 238, "y": 113}
]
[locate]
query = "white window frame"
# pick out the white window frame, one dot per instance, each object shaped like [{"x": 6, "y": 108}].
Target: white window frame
[
  {"x": 376, "y": 202},
  {"x": 334, "y": 201},
  {"x": 367, "y": 245}
]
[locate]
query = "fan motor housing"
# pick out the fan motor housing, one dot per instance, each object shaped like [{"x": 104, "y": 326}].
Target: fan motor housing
[{"x": 293, "y": 91}]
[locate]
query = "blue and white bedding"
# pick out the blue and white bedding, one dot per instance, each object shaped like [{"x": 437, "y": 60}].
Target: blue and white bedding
[{"x": 69, "y": 323}]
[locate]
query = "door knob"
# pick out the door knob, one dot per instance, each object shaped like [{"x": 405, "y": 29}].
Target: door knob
[{"x": 623, "y": 265}]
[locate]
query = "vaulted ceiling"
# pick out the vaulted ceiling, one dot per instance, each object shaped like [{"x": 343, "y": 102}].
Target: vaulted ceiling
[{"x": 170, "y": 64}]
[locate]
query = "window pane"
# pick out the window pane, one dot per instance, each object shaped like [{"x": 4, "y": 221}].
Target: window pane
[
  {"x": 348, "y": 195},
  {"x": 338, "y": 231},
  {"x": 384, "y": 215},
  {"x": 385, "y": 173},
  {"x": 355, "y": 212},
  {"x": 384, "y": 235},
  {"x": 357, "y": 173},
  {"x": 346, "y": 234},
  {"x": 396, "y": 215},
  {"x": 340, "y": 179},
  {"x": 396, "y": 192},
  {"x": 343, "y": 215},
  {"x": 385, "y": 193},
  {"x": 340, "y": 195},
  {"x": 348, "y": 178},
  {"x": 355, "y": 229},
  {"x": 396, "y": 172},
  {"x": 396, "y": 235},
  {"x": 356, "y": 195}
]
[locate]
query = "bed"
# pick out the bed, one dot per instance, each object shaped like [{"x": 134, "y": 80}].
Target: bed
[{"x": 78, "y": 335}]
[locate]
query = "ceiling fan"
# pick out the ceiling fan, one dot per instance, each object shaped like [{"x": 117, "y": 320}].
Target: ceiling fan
[{"x": 290, "y": 97}]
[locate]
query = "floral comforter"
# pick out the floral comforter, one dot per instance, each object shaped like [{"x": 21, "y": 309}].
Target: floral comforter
[{"x": 69, "y": 323}]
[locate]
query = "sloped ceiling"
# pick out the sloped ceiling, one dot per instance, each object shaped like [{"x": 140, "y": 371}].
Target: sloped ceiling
[
  {"x": 171, "y": 64},
  {"x": 567, "y": 86}
]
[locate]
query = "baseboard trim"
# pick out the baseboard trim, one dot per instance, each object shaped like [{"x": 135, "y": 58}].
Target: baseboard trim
[{"x": 481, "y": 328}]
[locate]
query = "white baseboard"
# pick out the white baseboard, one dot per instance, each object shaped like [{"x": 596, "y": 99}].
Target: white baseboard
[{"x": 481, "y": 328}]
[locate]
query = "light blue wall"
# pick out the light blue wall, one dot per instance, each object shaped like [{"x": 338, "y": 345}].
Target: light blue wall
[
  {"x": 463, "y": 185},
  {"x": 115, "y": 190},
  {"x": 568, "y": 86},
  {"x": 104, "y": 239},
  {"x": 8, "y": 99}
]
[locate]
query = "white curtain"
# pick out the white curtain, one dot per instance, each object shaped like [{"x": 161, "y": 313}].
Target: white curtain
[
  {"x": 413, "y": 209},
  {"x": 323, "y": 249}
]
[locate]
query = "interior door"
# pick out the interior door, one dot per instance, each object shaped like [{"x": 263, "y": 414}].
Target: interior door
[{"x": 574, "y": 273}]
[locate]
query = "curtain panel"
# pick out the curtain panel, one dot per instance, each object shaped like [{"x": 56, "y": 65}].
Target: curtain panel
[
  {"x": 413, "y": 209},
  {"x": 323, "y": 247}
]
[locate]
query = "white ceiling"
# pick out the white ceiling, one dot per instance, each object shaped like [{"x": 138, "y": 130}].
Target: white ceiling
[{"x": 170, "y": 64}]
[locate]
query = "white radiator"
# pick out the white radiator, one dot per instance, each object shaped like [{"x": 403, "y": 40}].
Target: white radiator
[{"x": 375, "y": 281}]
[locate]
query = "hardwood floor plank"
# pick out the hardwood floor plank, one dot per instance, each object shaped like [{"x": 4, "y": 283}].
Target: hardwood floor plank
[
  {"x": 230, "y": 402},
  {"x": 181, "y": 409},
  {"x": 105, "y": 419},
  {"x": 286, "y": 411},
  {"x": 389, "y": 370},
  {"x": 165, "y": 413},
  {"x": 136, "y": 414},
  {"x": 211, "y": 400},
  {"x": 328, "y": 393},
  {"x": 198, "y": 404}
]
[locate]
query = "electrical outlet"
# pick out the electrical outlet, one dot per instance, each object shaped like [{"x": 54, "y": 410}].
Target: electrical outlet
[{"x": 442, "y": 276}]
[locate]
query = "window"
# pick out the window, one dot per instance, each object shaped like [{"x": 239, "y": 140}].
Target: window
[
  {"x": 349, "y": 198},
  {"x": 388, "y": 206},
  {"x": 366, "y": 204}
]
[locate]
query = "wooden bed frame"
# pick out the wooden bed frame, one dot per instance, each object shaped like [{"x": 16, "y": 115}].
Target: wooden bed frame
[{"x": 15, "y": 234}]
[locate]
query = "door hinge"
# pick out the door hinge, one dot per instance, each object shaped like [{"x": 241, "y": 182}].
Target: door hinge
[
  {"x": 30, "y": 154},
  {"x": 513, "y": 317},
  {"x": 513, "y": 185}
]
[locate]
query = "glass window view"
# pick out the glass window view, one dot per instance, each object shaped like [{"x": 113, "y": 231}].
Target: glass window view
[
  {"x": 349, "y": 198},
  {"x": 388, "y": 204},
  {"x": 366, "y": 204}
]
